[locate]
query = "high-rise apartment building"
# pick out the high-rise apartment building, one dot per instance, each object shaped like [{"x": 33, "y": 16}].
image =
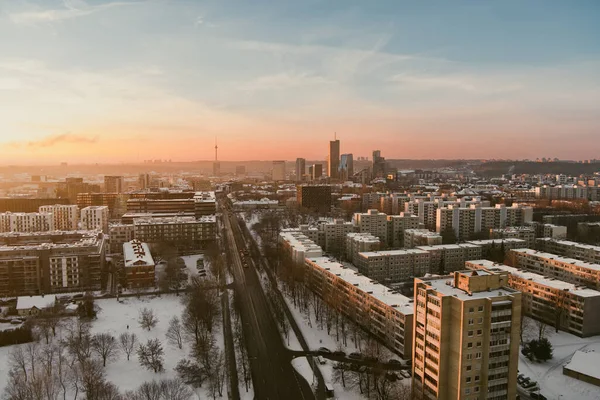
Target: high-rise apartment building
[
  {"x": 373, "y": 222},
  {"x": 397, "y": 226},
  {"x": 26, "y": 222},
  {"x": 144, "y": 181},
  {"x": 95, "y": 218},
  {"x": 65, "y": 217},
  {"x": 114, "y": 184},
  {"x": 278, "y": 172},
  {"x": 346, "y": 167},
  {"x": 466, "y": 337},
  {"x": 300, "y": 169},
  {"x": 359, "y": 243},
  {"x": 421, "y": 237},
  {"x": 333, "y": 163}
]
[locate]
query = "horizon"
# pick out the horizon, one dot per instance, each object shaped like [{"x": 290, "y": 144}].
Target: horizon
[{"x": 464, "y": 81}]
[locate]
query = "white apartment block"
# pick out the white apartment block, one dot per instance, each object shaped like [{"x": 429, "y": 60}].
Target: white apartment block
[
  {"x": 380, "y": 311},
  {"x": 26, "y": 222},
  {"x": 178, "y": 230},
  {"x": 565, "y": 269},
  {"x": 447, "y": 258},
  {"x": 397, "y": 225},
  {"x": 525, "y": 233},
  {"x": 297, "y": 246},
  {"x": 330, "y": 234},
  {"x": 421, "y": 237},
  {"x": 566, "y": 248},
  {"x": 426, "y": 210},
  {"x": 567, "y": 192},
  {"x": 359, "y": 243},
  {"x": 66, "y": 217},
  {"x": 95, "y": 218},
  {"x": 573, "y": 308},
  {"x": 393, "y": 265},
  {"x": 373, "y": 222}
]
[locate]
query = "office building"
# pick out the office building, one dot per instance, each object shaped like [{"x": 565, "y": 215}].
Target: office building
[
  {"x": 50, "y": 262},
  {"x": 346, "y": 167},
  {"x": 300, "y": 169},
  {"x": 139, "y": 265},
  {"x": 421, "y": 237},
  {"x": 314, "y": 197},
  {"x": 181, "y": 231},
  {"x": 205, "y": 203},
  {"x": 26, "y": 222},
  {"x": 95, "y": 218},
  {"x": 378, "y": 167},
  {"x": 144, "y": 181},
  {"x": 566, "y": 269},
  {"x": 333, "y": 164},
  {"x": 278, "y": 171},
  {"x": 383, "y": 313},
  {"x": 572, "y": 308},
  {"x": 114, "y": 184},
  {"x": 466, "y": 337},
  {"x": 566, "y": 248},
  {"x": 391, "y": 266},
  {"x": 525, "y": 233},
  {"x": 316, "y": 171},
  {"x": 118, "y": 234},
  {"x": 65, "y": 217}
]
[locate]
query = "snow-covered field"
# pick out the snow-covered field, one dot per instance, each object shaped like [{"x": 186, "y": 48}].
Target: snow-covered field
[{"x": 555, "y": 385}]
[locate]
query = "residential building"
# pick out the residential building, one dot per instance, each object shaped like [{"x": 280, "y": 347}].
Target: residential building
[
  {"x": 205, "y": 203},
  {"x": 446, "y": 258},
  {"x": 488, "y": 245},
  {"x": 118, "y": 234},
  {"x": 561, "y": 192},
  {"x": 554, "y": 231},
  {"x": 391, "y": 266},
  {"x": 116, "y": 202},
  {"x": 95, "y": 218},
  {"x": 143, "y": 205},
  {"x": 182, "y": 231},
  {"x": 359, "y": 243},
  {"x": 386, "y": 315},
  {"x": 551, "y": 265},
  {"x": 378, "y": 167},
  {"x": 297, "y": 246},
  {"x": 373, "y": 222},
  {"x": 314, "y": 197},
  {"x": 278, "y": 172},
  {"x": 466, "y": 337},
  {"x": 50, "y": 262},
  {"x": 525, "y": 233},
  {"x": 65, "y": 217},
  {"x": 335, "y": 235},
  {"x": 28, "y": 205},
  {"x": 114, "y": 184},
  {"x": 397, "y": 226},
  {"x": 421, "y": 237},
  {"x": 566, "y": 248},
  {"x": 139, "y": 265},
  {"x": 26, "y": 222},
  {"x": 559, "y": 304},
  {"x": 144, "y": 181},
  {"x": 34, "y": 305},
  {"x": 333, "y": 164},
  {"x": 300, "y": 169}
]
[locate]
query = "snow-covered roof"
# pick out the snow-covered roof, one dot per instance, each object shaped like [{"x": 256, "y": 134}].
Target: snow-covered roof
[
  {"x": 137, "y": 254},
  {"x": 566, "y": 260},
  {"x": 39, "y": 302},
  {"x": 585, "y": 363}
]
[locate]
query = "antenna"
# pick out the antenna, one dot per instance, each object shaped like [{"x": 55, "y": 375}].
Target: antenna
[
  {"x": 216, "y": 148},
  {"x": 334, "y": 135}
]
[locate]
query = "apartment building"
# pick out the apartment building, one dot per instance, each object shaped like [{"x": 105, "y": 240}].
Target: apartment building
[
  {"x": 393, "y": 265},
  {"x": 565, "y": 269},
  {"x": 421, "y": 237},
  {"x": 505, "y": 244},
  {"x": 205, "y": 203},
  {"x": 567, "y": 248},
  {"x": 360, "y": 243},
  {"x": 335, "y": 235},
  {"x": 466, "y": 337},
  {"x": 65, "y": 217},
  {"x": 525, "y": 233},
  {"x": 116, "y": 202},
  {"x": 26, "y": 222},
  {"x": 572, "y": 308},
  {"x": 185, "y": 231},
  {"x": 298, "y": 246},
  {"x": 426, "y": 209},
  {"x": 559, "y": 192},
  {"x": 50, "y": 262},
  {"x": 397, "y": 226},
  {"x": 373, "y": 222},
  {"x": 95, "y": 218},
  {"x": 447, "y": 258},
  {"x": 139, "y": 265},
  {"x": 114, "y": 184},
  {"x": 382, "y": 312},
  {"x": 118, "y": 234}
]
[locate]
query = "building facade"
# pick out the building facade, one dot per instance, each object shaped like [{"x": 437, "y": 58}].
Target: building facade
[
  {"x": 391, "y": 266},
  {"x": 26, "y": 222},
  {"x": 359, "y": 243},
  {"x": 139, "y": 265},
  {"x": 65, "y": 217},
  {"x": 95, "y": 218},
  {"x": 300, "y": 169},
  {"x": 314, "y": 197},
  {"x": 183, "y": 231},
  {"x": 421, "y": 237},
  {"x": 114, "y": 184},
  {"x": 333, "y": 164}
]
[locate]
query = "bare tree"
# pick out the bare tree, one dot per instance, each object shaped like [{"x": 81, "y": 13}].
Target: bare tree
[
  {"x": 174, "y": 333},
  {"x": 151, "y": 355},
  {"x": 91, "y": 378},
  {"x": 18, "y": 361},
  {"x": 105, "y": 345},
  {"x": 175, "y": 389},
  {"x": 146, "y": 319},
  {"x": 127, "y": 341}
]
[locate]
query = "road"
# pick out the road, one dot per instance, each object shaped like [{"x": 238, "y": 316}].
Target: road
[{"x": 273, "y": 376}]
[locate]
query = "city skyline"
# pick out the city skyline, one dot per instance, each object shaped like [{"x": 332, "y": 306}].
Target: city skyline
[{"x": 462, "y": 80}]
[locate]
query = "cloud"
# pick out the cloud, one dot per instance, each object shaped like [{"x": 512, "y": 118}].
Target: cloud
[
  {"x": 72, "y": 9},
  {"x": 57, "y": 140},
  {"x": 470, "y": 84},
  {"x": 284, "y": 80}
]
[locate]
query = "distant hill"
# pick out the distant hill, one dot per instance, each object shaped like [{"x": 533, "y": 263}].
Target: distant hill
[{"x": 497, "y": 168}]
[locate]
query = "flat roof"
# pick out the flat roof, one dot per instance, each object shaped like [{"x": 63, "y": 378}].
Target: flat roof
[
  {"x": 444, "y": 286},
  {"x": 382, "y": 293},
  {"x": 448, "y": 247},
  {"x": 573, "y": 244},
  {"x": 497, "y": 241},
  {"x": 392, "y": 252},
  {"x": 566, "y": 260},
  {"x": 585, "y": 363}
]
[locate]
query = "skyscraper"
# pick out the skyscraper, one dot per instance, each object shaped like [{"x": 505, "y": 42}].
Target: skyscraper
[
  {"x": 346, "y": 167},
  {"x": 466, "y": 337},
  {"x": 378, "y": 164},
  {"x": 333, "y": 164},
  {"x": 300, "y": 169},
  {"x": 317, "y": 171}
]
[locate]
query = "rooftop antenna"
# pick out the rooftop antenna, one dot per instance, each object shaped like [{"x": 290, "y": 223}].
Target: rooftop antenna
[{"x": 216, "y": 148}]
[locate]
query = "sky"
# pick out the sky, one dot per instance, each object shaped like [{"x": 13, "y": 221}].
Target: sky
[{"x": 115, "y": 81}]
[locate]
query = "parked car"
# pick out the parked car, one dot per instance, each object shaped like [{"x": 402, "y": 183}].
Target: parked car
[
  {"x": 324, "y": 350},
  {"x": 394, "y": 361},
  {"x": 405, "y": 373},
  {"x": 321, "y": 360}
]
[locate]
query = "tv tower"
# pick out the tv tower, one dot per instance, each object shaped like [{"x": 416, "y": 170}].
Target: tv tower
[
  {"x": 216, "y": 163},
  {"x": 216, "y": 148}
]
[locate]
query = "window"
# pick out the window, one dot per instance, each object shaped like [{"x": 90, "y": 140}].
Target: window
[
  {"x": 480, "y": 308},
  {"x": 478, "y": 344},
  {"x": 479, "y": 332},
  {"x": 480, "y": 320},
  {"x": 469, "y": 356},
  {"x": 476, "y": 389},
  {"x": 467, "y": 391},
  {"x": 470, "y": 321},
  {"x": 471, "y": 309},
  {"x": 469, "y": 345},
  {"x": 470, "y": 333},
  {"x": 468, "y": 367},
  {"x": 478, "y": 355},
  {"x": 476, "y": 378},
  {"x": 468, "y": 379}
]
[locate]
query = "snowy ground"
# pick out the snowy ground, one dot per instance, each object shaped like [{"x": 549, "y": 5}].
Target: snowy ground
[
  {"x": 191, "y": 263},
  {"x": 555, "y": 385}
]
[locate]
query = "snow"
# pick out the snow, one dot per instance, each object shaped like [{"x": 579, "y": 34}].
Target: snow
[
  {"x": 585, "y": 363},
  {"x": 40, "y": 302},
  {"x": 549, "y": 375},
  {"x": 302, "y": 366}
]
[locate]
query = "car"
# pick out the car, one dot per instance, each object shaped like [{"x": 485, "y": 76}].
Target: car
[
  {"x": 324, "y": 350},
  {"x": 405, "y": 374},
  {"x": 339, "y": 353},
  {"x": 321, "y": 360},
  {"x": 394, "y": 361},
  {"x": 355, "y": 356}
]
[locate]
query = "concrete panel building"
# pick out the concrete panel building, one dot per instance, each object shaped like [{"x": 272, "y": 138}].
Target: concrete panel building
[
  {"x": 566, "y": 248},
  {"x": 179, "y": 230},
  {"x": 95, "y": 218},
  {"x": 359, "y": 243},
  {"x": 26, "y": 222},
  {"x": 297, "y": 246},
  {"x": 393, "y": 265},
  {"x": 421, "y": 237},
  {"x": 65, "y": 217},
  {"x": 447, "y": 258}
]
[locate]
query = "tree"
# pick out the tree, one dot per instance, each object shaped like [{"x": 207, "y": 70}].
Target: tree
[
  {"x": 190, "y": 372},
  {"x": 538, "y": 350},
  {"x": 448, "y": 236},
  {"x": 151, "y": 355},
  {"x": 87, "y": 309},
  {"x": 127, "y": 341},
  {"x": 146, "y": 319},
  {"x": 91, "y": 378},
  {"x": 78, "y": 340},
  {"x": 174, "y": 333},
  {"x": 175, "y": 389},
  {"x": 105, "y": 345}
]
